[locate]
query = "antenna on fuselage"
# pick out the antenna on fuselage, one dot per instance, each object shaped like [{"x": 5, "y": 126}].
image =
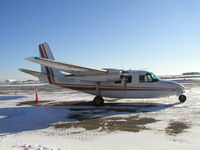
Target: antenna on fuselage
[{"x": 122, "y": 67}]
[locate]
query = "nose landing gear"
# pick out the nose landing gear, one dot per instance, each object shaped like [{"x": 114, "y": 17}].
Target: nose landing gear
[{"x": 182, "y": 98}]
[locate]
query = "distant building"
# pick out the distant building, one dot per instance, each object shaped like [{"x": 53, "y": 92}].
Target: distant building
[
  {"x": 10, "y": 80},
  {"x": 29, "y": 81},
  {"x": 191, "y": 73}
]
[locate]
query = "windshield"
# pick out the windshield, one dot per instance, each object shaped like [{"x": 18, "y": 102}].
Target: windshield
[
  {"x": 149, "y": 77},
  {"x": 154, "y": 77}
]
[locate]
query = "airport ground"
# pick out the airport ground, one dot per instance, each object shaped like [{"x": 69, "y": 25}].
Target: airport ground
[{"x": 66, "y": 119}]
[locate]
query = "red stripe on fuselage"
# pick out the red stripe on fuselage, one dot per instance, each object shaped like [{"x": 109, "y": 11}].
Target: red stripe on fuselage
[{"x": 114, "y": 88}]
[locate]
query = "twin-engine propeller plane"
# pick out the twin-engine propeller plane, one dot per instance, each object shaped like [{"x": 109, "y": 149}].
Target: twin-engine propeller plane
[{"x": 112, "y": 83}]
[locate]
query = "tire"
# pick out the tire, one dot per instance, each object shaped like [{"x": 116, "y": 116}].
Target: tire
[
  {"x": 98, "y": 101},
  {"x": 182, "y": 98}
]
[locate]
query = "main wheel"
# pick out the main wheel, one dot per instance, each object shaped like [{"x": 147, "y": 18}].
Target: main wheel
[
  {"x": 98, "y": 101},
  {"x": 182, "y": 98}
]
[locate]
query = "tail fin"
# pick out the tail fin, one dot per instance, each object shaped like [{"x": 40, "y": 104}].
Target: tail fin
[{"x": 45, "y": 52}]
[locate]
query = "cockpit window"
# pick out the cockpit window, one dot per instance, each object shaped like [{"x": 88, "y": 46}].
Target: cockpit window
[
  {"x": 149, "y": 77},
  {"x": 155, "y": 77}
]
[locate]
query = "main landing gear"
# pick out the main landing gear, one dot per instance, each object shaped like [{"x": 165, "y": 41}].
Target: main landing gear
[
  {"x": 98, "y": 100},
  {"x": 182, "y": 98}
]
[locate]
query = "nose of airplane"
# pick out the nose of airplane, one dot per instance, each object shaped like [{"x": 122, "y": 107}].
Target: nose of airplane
[
  {"x": 180, "y": 87},
  {"x": 176, "y": 86}
]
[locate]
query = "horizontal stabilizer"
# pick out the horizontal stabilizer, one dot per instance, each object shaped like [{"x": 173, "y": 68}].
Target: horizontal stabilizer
[
  {"x": 33, "y": 73},
  {"x": 70, "y": 68}
]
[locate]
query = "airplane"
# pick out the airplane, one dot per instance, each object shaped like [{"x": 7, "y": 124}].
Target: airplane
[{"x": 107, "y": 82}]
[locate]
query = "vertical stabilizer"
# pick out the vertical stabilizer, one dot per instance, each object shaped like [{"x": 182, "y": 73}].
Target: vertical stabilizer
[{"x": 45, "y": 52}]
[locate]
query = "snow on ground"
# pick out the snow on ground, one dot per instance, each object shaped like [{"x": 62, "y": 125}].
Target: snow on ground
[{"x": 159, "y": 124}]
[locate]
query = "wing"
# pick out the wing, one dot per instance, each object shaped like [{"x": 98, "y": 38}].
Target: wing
[{"x": 70, "y": 68}]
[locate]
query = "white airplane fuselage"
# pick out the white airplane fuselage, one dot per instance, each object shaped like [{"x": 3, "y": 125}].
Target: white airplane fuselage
[{"x": 133, "y": 89}]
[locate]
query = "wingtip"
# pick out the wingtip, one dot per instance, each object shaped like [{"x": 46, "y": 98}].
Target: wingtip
[
  {"x": 28, "y": 58},
  {"x": 21, "y": 69},
  {"x": 32, "y": 58},
  {"x": 36, "y": 57}
]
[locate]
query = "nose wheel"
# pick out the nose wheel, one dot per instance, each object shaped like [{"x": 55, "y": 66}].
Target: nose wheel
[
  {"x": 182, "y": 98},
  {"x": 98, "y": 101}
]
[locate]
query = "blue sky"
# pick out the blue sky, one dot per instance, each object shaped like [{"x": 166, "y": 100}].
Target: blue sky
[{"x": 162, "y": 36}]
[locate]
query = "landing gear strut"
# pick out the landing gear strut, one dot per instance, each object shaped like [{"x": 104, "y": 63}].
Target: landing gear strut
[
  {"x": 182, "y": 98},
  {"x": 98, "y": 100}
]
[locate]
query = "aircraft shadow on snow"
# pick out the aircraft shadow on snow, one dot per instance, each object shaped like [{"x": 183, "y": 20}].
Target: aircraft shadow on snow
[
  {"x": 19, "y": 119},
  {"x": 5, "y": 98}
]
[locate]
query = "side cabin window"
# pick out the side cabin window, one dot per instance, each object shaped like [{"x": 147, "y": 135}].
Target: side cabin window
[
  {"x": 127, "y": 79},
  {"x": 118, "y": 82},
  {"x": 142, "y": 78},
  {"x": 149, "y": 77}
]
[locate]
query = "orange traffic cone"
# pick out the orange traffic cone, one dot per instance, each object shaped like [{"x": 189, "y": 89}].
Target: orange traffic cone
[{"x": 36, "y": 95}]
